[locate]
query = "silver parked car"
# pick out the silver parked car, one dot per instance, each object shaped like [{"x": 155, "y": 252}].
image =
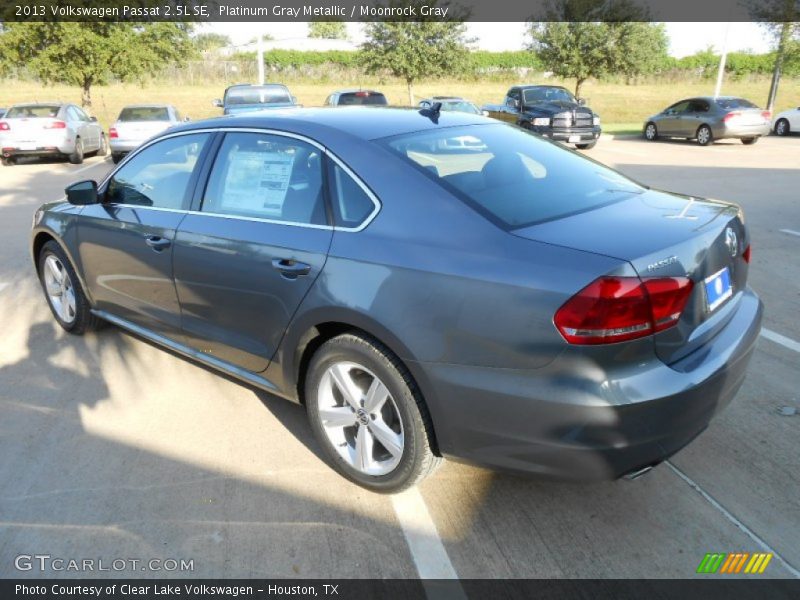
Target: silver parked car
[
  {"x": 50, "y": 129},
  {"x": 138, "y": 123},
  {"x": 707, "y": 119}
]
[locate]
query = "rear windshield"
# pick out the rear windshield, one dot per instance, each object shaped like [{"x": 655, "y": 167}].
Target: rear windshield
[
  {"x": 270, "y": 94},
  {"x": 729, "y": 103},
  {"x": 459, "y": 106},
  {"x": 144, "y": 113},
  {"x": 547, "y": 94},
  {"x": 362, "y": 98},
  {"x": 512, "y": 177},
  {"x": 40, "y": 111}
]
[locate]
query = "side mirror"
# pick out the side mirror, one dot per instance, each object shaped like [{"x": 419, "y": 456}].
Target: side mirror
[
  {"x": 485, "y": 113},
  {"x": 217, "y": 103},
  {"x": 82, "y": 193},
  {"x": 581, "y": 101}
]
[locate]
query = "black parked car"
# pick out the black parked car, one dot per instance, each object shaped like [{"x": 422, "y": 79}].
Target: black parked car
[
  {"x": 551, "y": 111},
  {"x": 429, "y": 284}
]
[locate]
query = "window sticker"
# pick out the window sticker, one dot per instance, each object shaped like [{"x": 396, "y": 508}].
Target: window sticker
[{"x": 257, "y": 182}]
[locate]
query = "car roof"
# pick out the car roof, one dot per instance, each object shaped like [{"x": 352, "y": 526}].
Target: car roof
[
  {"x": 367, "y": 123},
  {"x": 155, "y": 105},
  {"x": 355, "y": 91},
  {"x": 40, "y": 104}
]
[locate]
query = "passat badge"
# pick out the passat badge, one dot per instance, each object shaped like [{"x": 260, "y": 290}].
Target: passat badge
[{"x": 662, "y": 263}]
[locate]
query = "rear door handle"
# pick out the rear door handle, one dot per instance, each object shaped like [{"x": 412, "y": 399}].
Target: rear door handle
[
  {"x": 156, "y": 242},
  {"x": 290, "y": 268}
]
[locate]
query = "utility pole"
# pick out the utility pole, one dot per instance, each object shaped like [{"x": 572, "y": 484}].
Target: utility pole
[
  {"x": 722, "y": 60},
  {"x": 260, "y": 59},
  {"x": 783, "y": 39}
]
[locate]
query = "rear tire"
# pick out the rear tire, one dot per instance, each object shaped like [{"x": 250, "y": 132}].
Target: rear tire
[
  {"x": 782, "y": 127},
  {"x": 63, "y": 291},
  {"x": 588, "y": 146},
  {"x": 704, "y": 135},
  {"x": 116, "y": 157},
  {"x": 368, "y": 415},
  {"x": 76, "y": 157},
  {"x": 749, "y": 141},
  {"x": 651, "y": 132},
  {"x": 9, "y": 162}
]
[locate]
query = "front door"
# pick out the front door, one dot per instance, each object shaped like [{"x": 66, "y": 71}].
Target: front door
[
  {"x": 246, "y": 259},
  {"x": 125, "y": 242},
  {"x": 672, "y": 123}
]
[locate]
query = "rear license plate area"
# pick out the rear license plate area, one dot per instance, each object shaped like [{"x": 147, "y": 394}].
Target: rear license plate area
[
  {"x": 573, "y": 139},
  {"x": 718, "y": 288}
]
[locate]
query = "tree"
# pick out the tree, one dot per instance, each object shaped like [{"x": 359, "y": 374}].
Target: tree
[
  {"x": 205, "y": 42},
  {"x": 429, "y": 47},
  {"x": 780, "y": 17},
  {"x": 328, "y": 30},
  {"x": 88, "y": 54}
]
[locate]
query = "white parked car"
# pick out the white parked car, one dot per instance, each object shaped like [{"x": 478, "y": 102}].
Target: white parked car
[
  {"x": 138, "y": 123},
  {"x": 787, "y": 122},
  {"x": 50, "y": 129}
]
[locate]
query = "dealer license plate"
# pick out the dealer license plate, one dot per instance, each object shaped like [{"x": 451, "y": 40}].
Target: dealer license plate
[
  {"x": 718, "y": 288},
  {"x": 573, "y": 139}
]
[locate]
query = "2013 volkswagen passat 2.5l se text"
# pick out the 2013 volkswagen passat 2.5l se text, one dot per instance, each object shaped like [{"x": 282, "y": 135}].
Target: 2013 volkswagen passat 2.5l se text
[{"x": 428, "y": 284}]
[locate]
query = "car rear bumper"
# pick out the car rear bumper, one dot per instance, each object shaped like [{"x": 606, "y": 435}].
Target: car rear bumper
[
  {"x": 120, "y": 146},
  {"x": 583, "y": 134},
  {"x": 742, "y": 131},
  {"x": 11, "y": 152},
  {"x": 577, "y": 420}
]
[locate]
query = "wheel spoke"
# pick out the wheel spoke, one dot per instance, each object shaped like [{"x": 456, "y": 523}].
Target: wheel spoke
[
  {"x": 364, "y": 443},
  {"x": 390, "y": 440},
  {"x": 339, "y": 416},
  {"x": 341, "y": 377},
  {"x": 70, "y": 304},
  {"x": 376, "y": 396}
]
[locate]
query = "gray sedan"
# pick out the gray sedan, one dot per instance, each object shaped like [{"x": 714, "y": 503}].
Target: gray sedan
[
  {"x": 50, "y": 129},
  {"x": 505, "y": 301},
  {"x": 707, "y": 119},
  {"x": 138, "y": 123}
]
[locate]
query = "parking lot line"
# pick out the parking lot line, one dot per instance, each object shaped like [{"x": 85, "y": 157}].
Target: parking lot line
[
  {"x": 744, "y": 528},
  {"x": 791, "y": 232},
  {"x": 422, "y": 537},
  {"x": 780, "y": 339}
]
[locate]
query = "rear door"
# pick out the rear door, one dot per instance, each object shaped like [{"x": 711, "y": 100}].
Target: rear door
[
  {"x": 245, "y": 259},
  {"x": 696, "y": 114},
  {"x": 126, "y": 242}
]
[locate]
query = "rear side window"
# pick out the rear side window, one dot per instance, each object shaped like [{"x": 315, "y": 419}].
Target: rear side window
[
  {"x": 731, "y": 103},
  {"x": 512, "y": 177},
  {"x": 267, "y": 177},
  {"x": 144, "y": 113},
  {"x": 362, "y": 99},
  {"x": 351, "y": 203},
  {"x": 32, "y": 112},
  {"x": 159, "y": 175}
]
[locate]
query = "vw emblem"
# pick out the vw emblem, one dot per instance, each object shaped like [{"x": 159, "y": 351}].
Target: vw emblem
[{"x": 730, "y": 241}]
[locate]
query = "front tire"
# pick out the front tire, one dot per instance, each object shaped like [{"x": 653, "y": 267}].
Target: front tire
[
  {"x": 63, "y": 291},
  {"x": 116, "y": 157},
  {"x": 103, "y": 150},
  {"x": 782, "y": 127},
  {"x": 76, "y": 157},
  {"x": 749, "y": 141},
  {"x": 651, "y": 132},
  {"x": 704, "y": 135},
  {"x": 368, "y": 415},
  {"x": 588, "y": 146}
]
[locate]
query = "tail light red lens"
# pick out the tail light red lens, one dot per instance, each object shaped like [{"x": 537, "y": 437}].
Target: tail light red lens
[
  {"x": 4, "y": 126},
  {"x": 731, "y": 115},
  {"x": 766, "y": 114},
  {"x": 617, "y": 309},
  {"x": 746, "y": 254},
  {"x": 112, "y": 133},
  {"x": 56, "y": 125}
]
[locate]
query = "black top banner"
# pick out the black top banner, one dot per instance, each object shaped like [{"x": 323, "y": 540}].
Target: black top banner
[{"x": 401, "y": 10}]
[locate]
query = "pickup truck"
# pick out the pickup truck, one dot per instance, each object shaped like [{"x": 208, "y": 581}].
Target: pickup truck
[{"x": 551, "y": 111}]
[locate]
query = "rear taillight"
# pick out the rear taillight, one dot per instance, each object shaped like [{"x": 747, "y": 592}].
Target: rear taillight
[
  {"x": 731, "y": 115},
  {"x": 362, "y": 94},
  {"x": 4, "y": 126},
  {"x": 112, "y": 133},
  {"x": 746, "y": 254},
  {"x": 766, "y": 114},
  {"x": 56, "y": 125},
  {"x": 616, "y": 309}
]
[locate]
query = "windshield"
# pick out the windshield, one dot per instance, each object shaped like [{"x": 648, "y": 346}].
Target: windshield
[
  {"x": 460, "y": 106},
  {"x": 547, "y": 94},
  {"x": 512, "y": 177},
  {"x": 268, "y": 94},
  {"x": 144, "y": 113},
  {"x": 729, "y": 103},
  {"x": 362, "y": 98},
  {"x": 39, "y": 111}
]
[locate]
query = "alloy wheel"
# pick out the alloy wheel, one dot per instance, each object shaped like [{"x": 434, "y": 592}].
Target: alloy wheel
[
  {"x": 360, "y": 418},
  {"x": 650, "y": 132},
  {"x": 60, "y": 291}
]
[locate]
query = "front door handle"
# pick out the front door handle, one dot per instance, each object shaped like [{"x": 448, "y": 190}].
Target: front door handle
[
  {"x": 290, "y": 268},
  {"x": 156, "y": 242}
]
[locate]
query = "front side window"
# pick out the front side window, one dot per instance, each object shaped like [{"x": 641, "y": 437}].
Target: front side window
[
  {"x": 159, "y": 175},
  {"x": 267, "y": 177},
  {"x": 351, "y": 203},
  {"x": 512, "y": 177}
]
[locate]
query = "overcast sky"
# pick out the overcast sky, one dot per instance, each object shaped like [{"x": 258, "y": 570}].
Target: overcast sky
[{"x": 685, "y": 38}]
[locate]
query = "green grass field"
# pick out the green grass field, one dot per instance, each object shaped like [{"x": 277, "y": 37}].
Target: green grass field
[{"x": 621, "y": 107}]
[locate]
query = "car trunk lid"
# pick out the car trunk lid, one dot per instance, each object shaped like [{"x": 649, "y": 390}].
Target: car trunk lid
[
  {"x": 666, "y": 235},
  {"x": 139, "y": 130}
]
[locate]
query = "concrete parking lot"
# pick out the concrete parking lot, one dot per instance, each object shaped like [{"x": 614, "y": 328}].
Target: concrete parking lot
[{"x": 113, "y": 448}]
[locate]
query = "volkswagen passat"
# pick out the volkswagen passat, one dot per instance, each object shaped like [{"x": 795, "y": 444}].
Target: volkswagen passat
[{"x": 505, "y": 302}]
